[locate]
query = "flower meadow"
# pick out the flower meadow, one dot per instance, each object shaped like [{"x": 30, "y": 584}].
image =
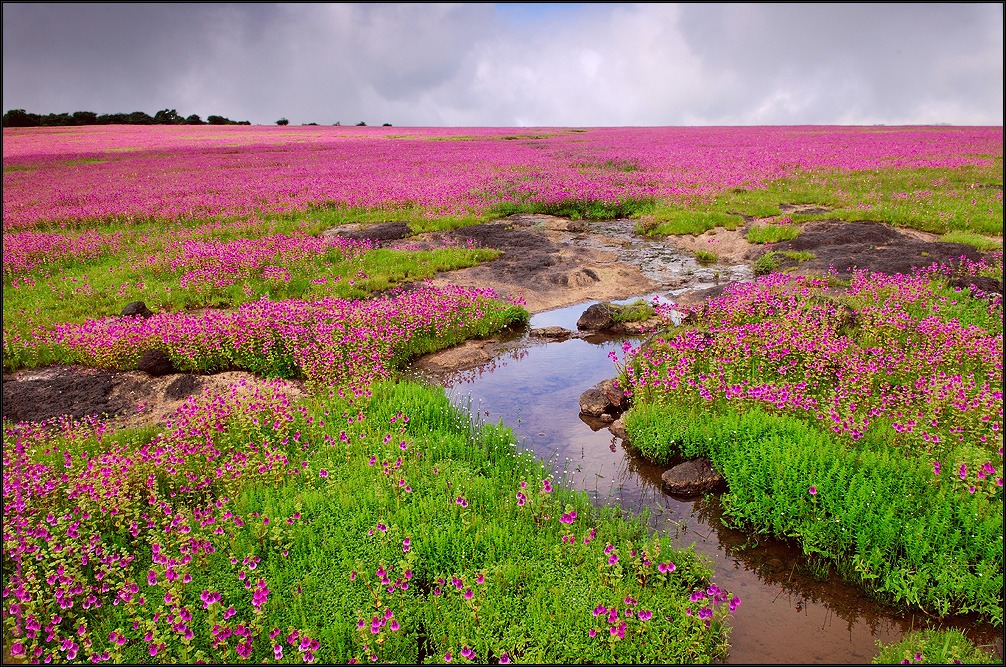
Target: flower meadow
[
  {"x": 861, "y": 419},
  {"x": 78, "y": 176},
  {"x": 370, "y": 520},
  {"x": 373, "y": 526}
]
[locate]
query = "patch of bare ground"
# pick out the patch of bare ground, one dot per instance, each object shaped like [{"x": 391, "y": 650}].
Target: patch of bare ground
[
  {"x": 730, "y": 246},
  {"x": 121, "y": 398}
]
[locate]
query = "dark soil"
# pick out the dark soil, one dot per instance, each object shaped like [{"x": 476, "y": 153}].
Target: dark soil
[{"x": 846, "y": 246}]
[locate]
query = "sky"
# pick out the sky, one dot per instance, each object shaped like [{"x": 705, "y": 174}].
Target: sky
[{"x": 512, "y": 65}]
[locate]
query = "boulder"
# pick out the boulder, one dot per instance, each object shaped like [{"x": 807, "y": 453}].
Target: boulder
[
  {"x": 692, "y": 478},
  {"x": 615, "y": 395},
  {"x": 136, "y": 309},
  {"x": 184, "y": 386},
  {"x": 553, "y": 333},
  {"x": 617, "y": 429},
  {"x": 156, "y": 363},
  {"x": 598, "y": 317},
  {"x": 593, "y": 402}
]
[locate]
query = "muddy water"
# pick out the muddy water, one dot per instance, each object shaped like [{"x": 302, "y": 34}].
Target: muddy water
[{"x": 787, "y": 614}]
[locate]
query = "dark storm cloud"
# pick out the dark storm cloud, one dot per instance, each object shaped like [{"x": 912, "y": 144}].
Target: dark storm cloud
[{"x": 532, "y": 64}]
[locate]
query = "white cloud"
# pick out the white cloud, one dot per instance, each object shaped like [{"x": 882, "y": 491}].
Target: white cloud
[{"x": 468, "y": 65}]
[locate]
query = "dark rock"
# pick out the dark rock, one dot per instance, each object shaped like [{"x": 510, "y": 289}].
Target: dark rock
[
  {"x": 593, "y": 402},
  {"x": 184, "y": 386},
  {"x": 614, "y": 394},
  {"x": 984, "y": 284},
  {"x": 598, "y": 317},
  {"x": 594, "y": 423},
  {"x": 555, "y": 333},
  {"x": 606, "y": 418},
  {"x": 136, "y": 309},
  {"x": 692, "y": 478},
  {"x": 156, "y": 363},
  {"x": 617, "y": 429}
]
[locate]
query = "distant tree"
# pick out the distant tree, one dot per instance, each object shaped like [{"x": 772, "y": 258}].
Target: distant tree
[
  {"x": 21, "y": 118},
  {"x": 217, "y": 120},
  {"x": 167, "y": 117},
  {"x": 361, "y": 124},
  {"x": 336, "y": 124},
  {"x": 282, "y": 121},
  {"x": 193, "y": 120},
  {"x": 57, "y": 120},
  {"x": 386, "y": 125},
  {"x": 140, "y": 118},
  {"x": 309, "y": 123},
  {"x": 85, "y": 118}
]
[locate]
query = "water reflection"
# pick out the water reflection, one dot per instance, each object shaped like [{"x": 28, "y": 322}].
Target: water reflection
[{"x": 791, "y": 612}]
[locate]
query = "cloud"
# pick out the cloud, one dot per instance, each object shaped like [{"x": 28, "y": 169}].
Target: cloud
[{"x": 534, "y": 64}]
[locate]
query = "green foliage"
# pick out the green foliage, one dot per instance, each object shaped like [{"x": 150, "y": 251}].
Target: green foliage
[
  {"x": 771, "y": 233},
  {"x": 766, "y": 263},
  {"x": 934, "y": 647},
  {"x": 878, "y": 519},
  {"x": 706, "y": 257},
  {"x": 667, "y": 221},
  {"x": 637, "y": 311},
  {"x": 798, "y": 255},
  {"x": 574, "y": 209},
  {"x": 979, "y": 241}
]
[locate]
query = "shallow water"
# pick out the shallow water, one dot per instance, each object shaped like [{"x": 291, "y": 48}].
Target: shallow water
[{"x": 786, "y": 615}]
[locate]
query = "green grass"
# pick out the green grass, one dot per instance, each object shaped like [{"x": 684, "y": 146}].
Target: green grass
[
  {"x": 938, "y": 200},
  {"x": 637, "y": 311},
  {"x": 340, "y": 513},
  {"x": 798, "y": 255},
  {"x": 934, "y": 647},
  {"x": 979, "y": 241},
  {"x": 771, "y": 233},
  {"x": 766, "y": 263},
  {"x": 706, "y": 257},
  {"x": 665, "y": 221}
]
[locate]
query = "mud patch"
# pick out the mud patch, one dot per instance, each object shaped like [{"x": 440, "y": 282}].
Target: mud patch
[
  {"x": 122, "y": 398},
  {"x": 847, "y": 246}
]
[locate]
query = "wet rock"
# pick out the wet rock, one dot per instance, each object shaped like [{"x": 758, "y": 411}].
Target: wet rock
[
  {"x": 598, "y": 317},
  {"x": 614, "y": 394},
  {"x": 593, "y": 402},
  {"x": 136, "y": 309},
  {"x": 606, "y": 418},
  {"x": 693, "y": 478},
  {"x": 617, "y": 429},
  {"x": 184, "y": 386},
  {"x": 984, "y": 284},
  {"x": 378, "y": 232},
  {"x": 156, "y": 363},
  {"x": 553, "y": 333},
  {"x": 594, "y": 423}
]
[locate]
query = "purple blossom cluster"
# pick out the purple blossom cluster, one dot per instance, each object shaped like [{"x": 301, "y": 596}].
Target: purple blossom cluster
[
  {"x": 778, "y": 344},
  {"x": 180, "y": 173},
  {"x": 331, "y": 341}
]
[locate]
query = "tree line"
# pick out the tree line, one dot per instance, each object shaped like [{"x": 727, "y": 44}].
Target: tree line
[{"x": 22, "y": 118}]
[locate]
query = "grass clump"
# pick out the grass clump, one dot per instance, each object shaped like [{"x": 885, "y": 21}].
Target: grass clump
[
  {"x": 706, "y": 257},
  {"x": 666, "y": 222},
  {"x": 766, "y": 263},
  {"x": 637, "y": 311},
  {"x": 771, "y": 233},
  {"x": 979, "y": 241},
  {"x": 934, "y": 647},
  {"x": 798, "y": 255}
]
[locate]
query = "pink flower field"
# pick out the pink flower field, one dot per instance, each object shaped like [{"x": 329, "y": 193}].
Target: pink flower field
[{"x": 121, "y": 173}]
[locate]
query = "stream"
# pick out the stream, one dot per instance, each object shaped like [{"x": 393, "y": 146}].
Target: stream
[{"x": 789, "y": 614}]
